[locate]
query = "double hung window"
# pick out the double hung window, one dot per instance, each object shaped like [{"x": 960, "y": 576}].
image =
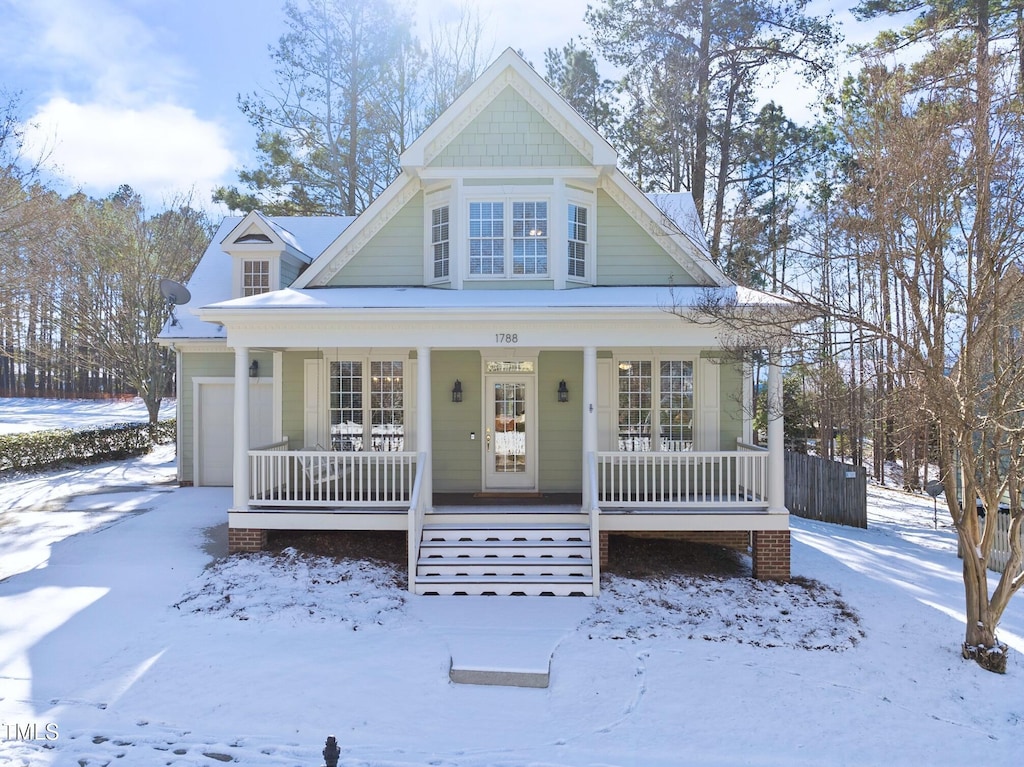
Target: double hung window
[
  {"x": 508, "y": 238},
  {"x": 255, "y": 277},
  {"x": 367, "y": 406},
  {"x": 440, "y": 242},
  {"x": 577, "y": 241},
  {"x": 655, "y": 405}
]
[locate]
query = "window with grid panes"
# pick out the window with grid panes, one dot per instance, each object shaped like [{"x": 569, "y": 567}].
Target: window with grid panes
[
  {"x": 577, "y": 244},
  {"x": 656, "y": 405},
  {"x": 675, "y": 405},
  {"x": 486, "y": 238},
  {"x": 529, "y": 238},
  {"x": 255, "y": 277},
  {"x": 635, "y": 393},
  {"x": 439, "y": 240},
  {"x": 367, "y": 412}
]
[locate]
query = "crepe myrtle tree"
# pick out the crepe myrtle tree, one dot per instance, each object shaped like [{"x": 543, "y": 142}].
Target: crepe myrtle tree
[{"x": 934, "y": 225}]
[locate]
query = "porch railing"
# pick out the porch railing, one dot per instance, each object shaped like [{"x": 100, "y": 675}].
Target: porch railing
[
  {"x": 417, "y": 509},
  {"x": 734, "y": 479},
  {"x": 311, "y": 478},
  {"x": 594, "y": 513}
]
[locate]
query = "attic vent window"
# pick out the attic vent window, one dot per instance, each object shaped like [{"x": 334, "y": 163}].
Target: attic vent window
[{"x": 256, "y": 237}]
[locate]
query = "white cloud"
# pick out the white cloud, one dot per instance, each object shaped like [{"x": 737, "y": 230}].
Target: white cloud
[{"x": 160, "y": 149}]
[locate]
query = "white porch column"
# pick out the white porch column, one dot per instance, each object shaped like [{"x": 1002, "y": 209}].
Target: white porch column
[
  {"x": 424, "y": 424},
  {"x": 589, "y": 416},
  {"x": 776, "y": 441},
  {"x": 240, "y": 465}
]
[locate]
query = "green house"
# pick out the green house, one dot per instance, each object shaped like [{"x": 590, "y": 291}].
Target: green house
[{"x": 501, "y": 356}]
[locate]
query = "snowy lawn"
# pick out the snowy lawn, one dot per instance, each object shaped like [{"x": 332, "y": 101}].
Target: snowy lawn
[
  {"x": 126, "y": 638},
  {"x": 22, "y": 414}
]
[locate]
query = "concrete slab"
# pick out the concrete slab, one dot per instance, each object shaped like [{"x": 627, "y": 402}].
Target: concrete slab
[{"x": 507, "y": 641}]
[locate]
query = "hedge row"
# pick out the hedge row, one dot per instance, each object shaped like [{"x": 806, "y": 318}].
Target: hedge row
[{"x": 38, "y": 450}]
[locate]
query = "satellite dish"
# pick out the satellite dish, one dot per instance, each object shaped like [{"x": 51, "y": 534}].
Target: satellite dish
[{"x": 175, "y": 294}]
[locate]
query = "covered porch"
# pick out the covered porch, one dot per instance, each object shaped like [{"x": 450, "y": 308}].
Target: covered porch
[{"x": 557, "y": 400}]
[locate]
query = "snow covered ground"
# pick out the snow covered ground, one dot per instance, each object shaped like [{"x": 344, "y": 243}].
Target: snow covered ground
[
  {"x": 126, "y": 638},
  {"x": 21, "y": 414}
]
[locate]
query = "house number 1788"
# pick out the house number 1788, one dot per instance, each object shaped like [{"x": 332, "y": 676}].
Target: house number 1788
[{"x": 506, "y": 338}]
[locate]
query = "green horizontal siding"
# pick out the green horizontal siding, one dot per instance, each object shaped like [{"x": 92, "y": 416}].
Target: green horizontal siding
[
  {"x": 560, "y": 424},
  {"x": 196, "y": 365},
  {"x": 393, "y": 256},
  {"x": 628, "y": 255},
  {"x": 456, "y": 457}
]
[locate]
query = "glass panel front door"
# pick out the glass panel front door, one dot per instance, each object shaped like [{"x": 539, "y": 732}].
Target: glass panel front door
[{"x": 508, "y": 436}]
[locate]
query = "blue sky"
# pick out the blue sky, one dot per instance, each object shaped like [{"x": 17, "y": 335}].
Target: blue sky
[{"x": 144, "y": 92}]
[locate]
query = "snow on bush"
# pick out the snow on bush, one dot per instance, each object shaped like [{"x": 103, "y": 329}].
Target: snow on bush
[
  {"x": 298, "y": 588},
  {"x": 798, "y": 614}
]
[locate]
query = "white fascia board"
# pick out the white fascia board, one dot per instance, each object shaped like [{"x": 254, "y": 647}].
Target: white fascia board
[
  {"x": 398, "y": 192},
  {"x": 281, "y": 240}
]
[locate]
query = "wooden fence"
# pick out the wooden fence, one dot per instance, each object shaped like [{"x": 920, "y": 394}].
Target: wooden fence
[
  {"x": 827, "y": 491},
  {"x": 1000, "y": 555}
]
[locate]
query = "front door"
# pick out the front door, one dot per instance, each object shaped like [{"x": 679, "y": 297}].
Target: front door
[{"x": 510, "y": 456}]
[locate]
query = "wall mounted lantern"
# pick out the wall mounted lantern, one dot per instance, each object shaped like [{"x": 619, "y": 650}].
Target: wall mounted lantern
[
  {"x": 254, "y": 369},
  {"x": 563, "y": 391},
  {"x": 457, "y": 391}
]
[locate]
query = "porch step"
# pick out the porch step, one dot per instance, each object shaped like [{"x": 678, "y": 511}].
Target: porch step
[{"x": 505, "y": 558}]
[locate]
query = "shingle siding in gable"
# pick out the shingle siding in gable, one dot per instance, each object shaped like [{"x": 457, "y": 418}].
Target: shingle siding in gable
[
  {"x": 393, "y": 256},
  {"x": 510, "y": 133},
  {"x": 628, "y": 255}
]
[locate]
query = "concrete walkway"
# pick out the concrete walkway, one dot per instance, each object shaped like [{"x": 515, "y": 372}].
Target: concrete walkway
[{"x": 501, "y": 640}]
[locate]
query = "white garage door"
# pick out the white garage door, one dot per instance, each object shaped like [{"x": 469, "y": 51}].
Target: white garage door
[{"x": 215, "y": 425}]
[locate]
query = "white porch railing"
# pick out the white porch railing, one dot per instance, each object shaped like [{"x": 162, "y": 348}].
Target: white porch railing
[
  {"x": 312, "y": 478},
  {"x": 417, "y": 510},
  {"x": 732, "y": 479},
  {"x": 594, "y": 512}
]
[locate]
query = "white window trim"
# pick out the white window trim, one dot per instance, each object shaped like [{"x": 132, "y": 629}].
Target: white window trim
[
  {"x": 507, "y": 198},
  {"x": 586, "y": 200},
  {"x": 655, "y": 426},
  {"x": 433, "y": 201},
  {"x": 238, "y": 272},
  {"x": 408, "y": 390}
]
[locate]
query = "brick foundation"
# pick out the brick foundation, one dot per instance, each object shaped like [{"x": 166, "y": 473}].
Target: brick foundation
[
  {"x": 603, "y": 546},
  {"x": 771, "y": 555},
  {"x": 246, "y": 539}
]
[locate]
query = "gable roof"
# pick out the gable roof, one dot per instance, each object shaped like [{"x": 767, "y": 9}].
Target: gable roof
[
  {"x": 509, "y": 70},
  {"x": 670, "y": 218}
]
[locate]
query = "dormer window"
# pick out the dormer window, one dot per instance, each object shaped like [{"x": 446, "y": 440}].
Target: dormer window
[
  {"x": 255, "y": 277},
  {"x": 485, "y": 233}
]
